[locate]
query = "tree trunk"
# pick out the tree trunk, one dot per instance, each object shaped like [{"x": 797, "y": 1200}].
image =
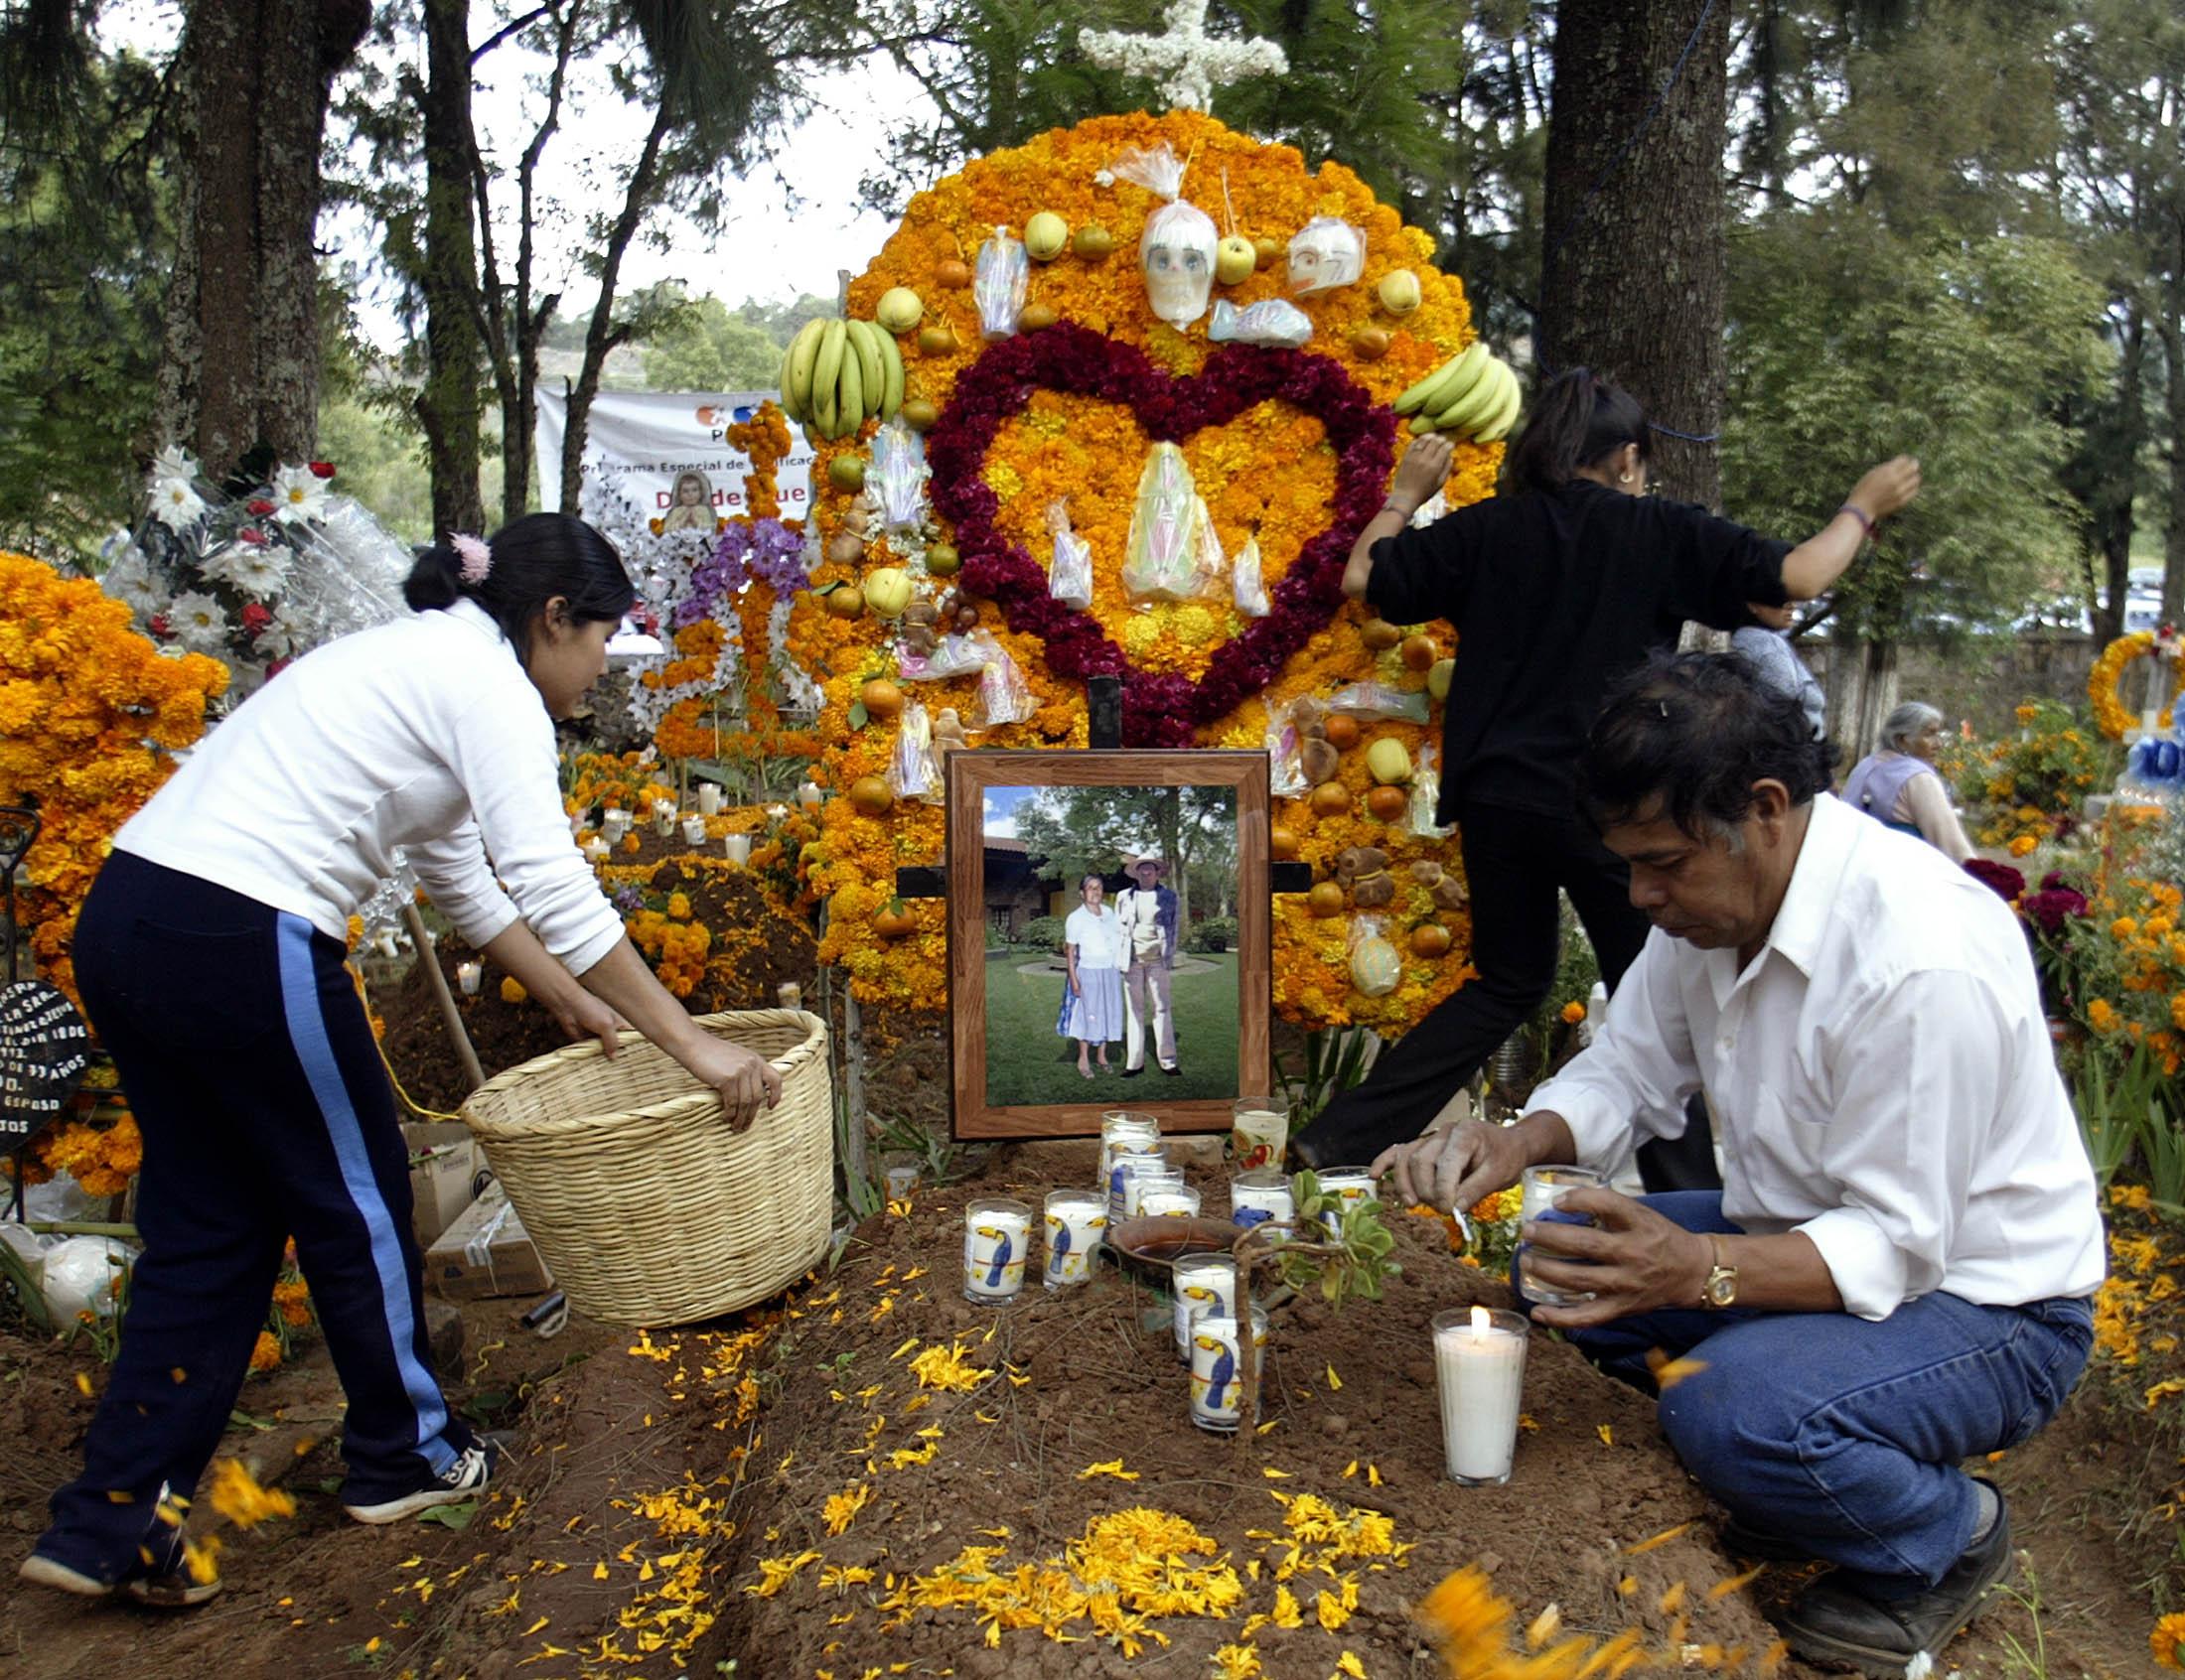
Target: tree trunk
[
  {"x": 2173, "y": 535},
  {"x": 1862, "y": 690},
  {"x": 448, "y": 405},
  {"x": 1635, "y": 267},
  {"x": 2113, "y": 517},
  {"x": 239, "y": 362},
  {"x": 603, "y": 336}
]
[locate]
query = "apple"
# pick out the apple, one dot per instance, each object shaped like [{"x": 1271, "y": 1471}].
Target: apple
[
  {"x": 1400, "y": 290},
  {"x": 1389, "y": 761},
  {"x": 887, "y": 593},
  {"x": 900, "y": 308},
  {"x": 1045, "y": 236},
  {"x": 1234, "y": 259}
]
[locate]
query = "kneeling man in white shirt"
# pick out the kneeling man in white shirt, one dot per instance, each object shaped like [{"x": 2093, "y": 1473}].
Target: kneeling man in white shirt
[{"x": 1897, "y": 1274}]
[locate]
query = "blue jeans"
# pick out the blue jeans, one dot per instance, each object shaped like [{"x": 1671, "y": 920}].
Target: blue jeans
[{"x": 1845, "y": 1435}]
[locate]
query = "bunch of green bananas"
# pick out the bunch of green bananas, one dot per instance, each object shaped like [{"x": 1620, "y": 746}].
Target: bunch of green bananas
[
  {"x": 837, "y": 374},
  {"x": 1475, "y": 394}
]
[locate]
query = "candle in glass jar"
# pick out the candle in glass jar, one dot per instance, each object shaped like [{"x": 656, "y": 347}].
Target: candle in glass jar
[
  {"x": 709, "y": 799},
  {"x": 664, "y": 817},
  {"x": 1217, "y": 1381},
  {"x": 596, "y": 850},
  {"x": 1259, "y": 1132},
  {"x": 1479, "y": 1368},
  {"x": 1544, "y": 1189},
  {"x": 997, "y": 1230},
  {"x": 1077, "y": 1220},
  {"x": 1125, "y": 1131},
  {"x": 1121, "y": 1173},
  {"x": 738, "y": 847},
  {"x": 1169, "y": 1202},
  {"x": 1354, "y": 1184},
  {"x": 809, "y": 795},
  {"x": 470, "y": 976},
  {"x": 613, "y": 825},
  {"x": 1256, "y": 1197},
  {"x": 1204, "y": 1282},
  {"x": 1142, "y": 1182},
  {"x": 694, "y": 831}
]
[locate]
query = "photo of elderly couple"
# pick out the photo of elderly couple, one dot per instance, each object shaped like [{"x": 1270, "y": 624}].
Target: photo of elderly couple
[{"x": 1111, "y": 944}]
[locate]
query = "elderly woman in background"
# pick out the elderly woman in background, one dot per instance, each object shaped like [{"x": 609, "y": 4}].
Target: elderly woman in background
[{"x": 1898, "y": 783}]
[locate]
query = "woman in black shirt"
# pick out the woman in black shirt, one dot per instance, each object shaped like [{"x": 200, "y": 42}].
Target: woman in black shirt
[{"x": 1568, "y": 577}]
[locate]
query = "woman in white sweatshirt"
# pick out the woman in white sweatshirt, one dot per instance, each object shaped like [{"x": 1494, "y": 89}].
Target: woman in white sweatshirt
[{"x": 211, "y": 958}]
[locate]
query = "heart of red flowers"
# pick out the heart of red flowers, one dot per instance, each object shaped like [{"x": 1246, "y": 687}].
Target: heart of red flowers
[{"x": 1159, "y": 709}]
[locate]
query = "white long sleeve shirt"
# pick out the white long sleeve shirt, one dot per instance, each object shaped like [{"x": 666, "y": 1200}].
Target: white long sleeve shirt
[
  {"x": 1881, "y": 1071},
  {"x": 423, "y": 734}
]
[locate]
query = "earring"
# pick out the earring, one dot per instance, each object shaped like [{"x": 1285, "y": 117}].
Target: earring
[{"x": 1623, "y": 479}]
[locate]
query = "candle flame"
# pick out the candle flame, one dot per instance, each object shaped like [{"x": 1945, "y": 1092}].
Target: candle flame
[{"x": 1480, "y": 1321}]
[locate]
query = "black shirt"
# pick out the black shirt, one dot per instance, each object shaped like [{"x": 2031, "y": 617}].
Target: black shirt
[{"x": 1553, "y": 597}]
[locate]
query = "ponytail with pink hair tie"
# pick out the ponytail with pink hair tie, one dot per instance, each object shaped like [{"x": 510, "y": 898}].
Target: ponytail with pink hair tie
[{"x": 475, "y": 558}]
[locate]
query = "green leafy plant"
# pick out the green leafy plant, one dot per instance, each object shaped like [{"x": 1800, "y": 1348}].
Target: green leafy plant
[
  {"x": 1352, "y": 1261},
  {"x": 2113, "y": 1106},
  {"x": 1212, "y": 933},
  {"x": 1334, "y": 1061}
]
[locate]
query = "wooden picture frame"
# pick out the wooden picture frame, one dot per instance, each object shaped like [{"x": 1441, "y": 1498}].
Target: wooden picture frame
[{"x": 972, "y": 777}]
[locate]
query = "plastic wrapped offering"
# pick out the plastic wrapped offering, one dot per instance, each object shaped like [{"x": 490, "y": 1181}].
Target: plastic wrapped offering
[
  {"x": 1325, "y": 253},
  {"x": 899, "y": 474},
  {"x": 913, "y": 770},
  {"x": 998, "y": 284},
  {"x": 1176, "y": 250},
  {"x": 1272, "y": 322},
  {"x": 1069, "y": 576},
  {"x": 1173, "y": 553},
  {"x": 1375, "y": 968},
  {"x": 1246, "y": 587}
]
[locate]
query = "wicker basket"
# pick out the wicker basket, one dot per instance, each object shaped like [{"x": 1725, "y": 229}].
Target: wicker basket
[{"x": 645, "y": 1205}]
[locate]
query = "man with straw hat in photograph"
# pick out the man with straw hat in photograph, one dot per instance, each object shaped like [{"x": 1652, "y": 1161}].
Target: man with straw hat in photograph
[{"x": 1148, "y": 912}]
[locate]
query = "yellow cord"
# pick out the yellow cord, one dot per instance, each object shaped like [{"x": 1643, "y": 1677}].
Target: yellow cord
[{"x": 410, "y": 1101}]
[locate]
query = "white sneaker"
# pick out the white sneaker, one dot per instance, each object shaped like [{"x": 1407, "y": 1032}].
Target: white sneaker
[{"x": 469, "y": 1475}]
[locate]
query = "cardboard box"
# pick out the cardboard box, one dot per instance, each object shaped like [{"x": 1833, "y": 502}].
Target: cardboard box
[
  {"x": 486, "y": 1251},
  {"x": 447, "y": 1171}
]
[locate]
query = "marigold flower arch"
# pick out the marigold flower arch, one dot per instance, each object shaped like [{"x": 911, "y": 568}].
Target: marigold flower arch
[{"x": 1292, "y": 448}]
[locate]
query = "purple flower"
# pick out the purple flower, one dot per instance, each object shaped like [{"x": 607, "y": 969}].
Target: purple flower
[
  {"x": 2051, "y": 908},
  {"x": 2008, "y": 882}
]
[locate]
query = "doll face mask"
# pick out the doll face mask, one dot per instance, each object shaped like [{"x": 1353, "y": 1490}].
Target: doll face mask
[
  {"x": 1176, "y": 253},
  {"x": 1325, "y": 253}
]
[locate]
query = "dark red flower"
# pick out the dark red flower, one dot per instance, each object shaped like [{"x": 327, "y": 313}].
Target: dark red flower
[
  {"x": 2052, "y": 907},
  {"x": 2008, "y": 882},
  {"x": 159, "y": 626},
  {"x": 321, "y": 469},
  {"x": 257, "y": 508},
  {"x": 254, "y": 618},
  {"x": 253, "y": 536}
]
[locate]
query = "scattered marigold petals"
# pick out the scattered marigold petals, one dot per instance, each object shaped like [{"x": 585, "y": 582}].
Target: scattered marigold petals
[
  {"x": 1653, "y": 1540},
  {"x": 1113, "y": 1467}
]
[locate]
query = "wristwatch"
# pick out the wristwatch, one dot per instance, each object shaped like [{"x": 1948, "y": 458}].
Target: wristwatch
[{"x": 1720, "y": 1289}]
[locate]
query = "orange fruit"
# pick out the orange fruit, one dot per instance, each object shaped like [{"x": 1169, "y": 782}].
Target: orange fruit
[
  {"x": 1282, "y": 842},
  {"x": 1388, "y": 804},
  {"x": 1371, "y": 343},
  {"x": 869, "y": 795},
  {"x": 1342, "y": 731},
  {"x": 1325, "y": 899},
  {"x": 882, "y": 698},
  {"x": 1418, "y": 652},
  {"x": 919, "y": 414},
  {"x": 1429, "y": 939},
  {"x": 935, "y": 340},
  {"x": 953, "y": 274},
  {"x": 1033, "y": 316},
  {"x": 844, "y": 602}
]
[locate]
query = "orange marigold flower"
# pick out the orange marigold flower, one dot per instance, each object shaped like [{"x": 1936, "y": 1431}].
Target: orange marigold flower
[{"x": 266, "y": 1355}]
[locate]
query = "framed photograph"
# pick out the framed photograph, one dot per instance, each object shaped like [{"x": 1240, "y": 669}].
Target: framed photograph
[{"x": 1109, "y": 933}]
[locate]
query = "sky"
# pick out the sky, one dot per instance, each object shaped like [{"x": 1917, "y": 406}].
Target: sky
[{"x": 791, "y": 225}]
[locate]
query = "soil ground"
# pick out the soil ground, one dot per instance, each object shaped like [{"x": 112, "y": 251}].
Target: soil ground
[{"x": 653, "y": 1477}]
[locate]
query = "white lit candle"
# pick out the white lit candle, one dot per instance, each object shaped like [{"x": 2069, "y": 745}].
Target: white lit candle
[
  {"x": 595, "y": 850},
  {"x": 1143, "y": 1178},
  {"x": 1077, "y": 1222},
  {"x": 809, "y": 795},
  {"x": 1479, "y": 1366},
  {"x": 996, "y": 1232},
  {"x": 663, "y": 817},
  {"x": 1256, "y": 1197},
  {"x": 1169, "y": 1202},
  {"x": 709, "y": 799},
  {"x": 615, "y": 824},
  {"x": 738, "y": 847},
  {"x": 470, "y": 976},
  {"x": 1216, "y": 1376}
]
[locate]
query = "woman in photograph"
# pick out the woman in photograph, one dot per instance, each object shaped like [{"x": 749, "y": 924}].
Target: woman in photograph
[{"x": 1093, "y": 1010}]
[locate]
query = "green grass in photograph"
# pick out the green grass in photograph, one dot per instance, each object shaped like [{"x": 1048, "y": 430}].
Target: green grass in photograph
[{"x": 1027, "y": 1063}]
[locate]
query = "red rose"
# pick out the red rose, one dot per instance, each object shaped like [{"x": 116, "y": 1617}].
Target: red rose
[
  {"x": 254, "y": 618},
  {"x": 321, "y": 469},
  {"x": 257, "y": 508},
  {"x": 159, "y": 626}
]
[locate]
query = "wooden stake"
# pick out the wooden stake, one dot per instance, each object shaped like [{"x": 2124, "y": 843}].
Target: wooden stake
[{"x": 449, "y": 1013}]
